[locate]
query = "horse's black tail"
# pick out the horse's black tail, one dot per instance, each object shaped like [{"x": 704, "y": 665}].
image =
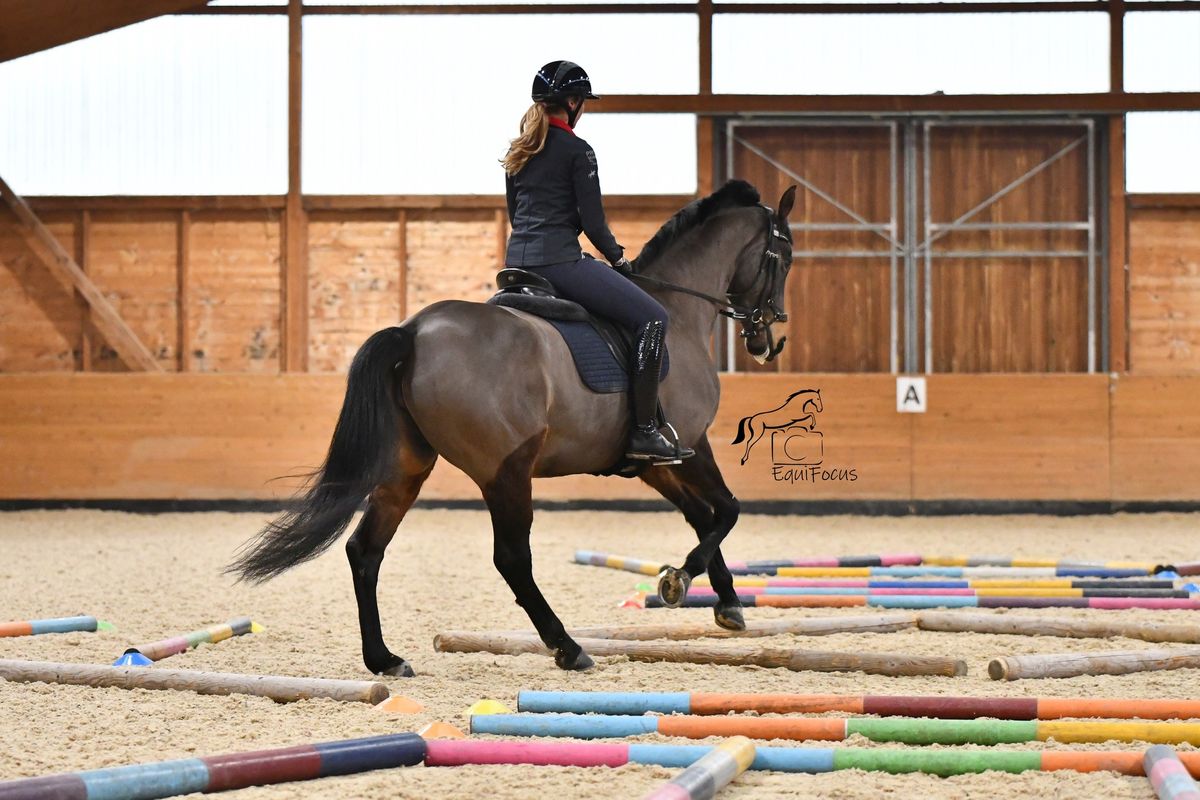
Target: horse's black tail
[
  {"x": 361, "y": 456},
  {"x": 742, "y": 430}
]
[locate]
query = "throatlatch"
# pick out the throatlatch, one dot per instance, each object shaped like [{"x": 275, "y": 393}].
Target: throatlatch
[{"x": 646, "y": 443}]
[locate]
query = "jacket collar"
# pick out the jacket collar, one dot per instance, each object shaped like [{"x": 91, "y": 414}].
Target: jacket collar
[{"x": 558, "y": 123}]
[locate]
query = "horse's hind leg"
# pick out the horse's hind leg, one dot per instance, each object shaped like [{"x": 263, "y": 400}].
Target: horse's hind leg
[
  {"x": 698, "y": 490},
  {"x": 386, "y": 508},
  {"x": 509, "y": 498}
]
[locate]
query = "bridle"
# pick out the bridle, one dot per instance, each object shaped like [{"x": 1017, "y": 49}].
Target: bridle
[{"x": 767, "y": 280}]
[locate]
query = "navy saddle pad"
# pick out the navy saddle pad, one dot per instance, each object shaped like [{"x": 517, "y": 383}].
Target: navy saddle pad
[{"x": 599, "y": 348}]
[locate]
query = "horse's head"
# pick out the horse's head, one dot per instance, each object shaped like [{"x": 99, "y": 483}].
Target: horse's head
[{"x": 763, "y": 274}]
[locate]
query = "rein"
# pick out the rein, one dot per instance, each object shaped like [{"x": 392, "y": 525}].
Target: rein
[{"x": 735, "y": 308}]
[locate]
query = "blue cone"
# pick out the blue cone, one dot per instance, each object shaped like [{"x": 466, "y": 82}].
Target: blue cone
[
  {"x": 1190, "y": 587},
  {"x": 132, "y": 659},
  {"x": 1166, "y": 573}
]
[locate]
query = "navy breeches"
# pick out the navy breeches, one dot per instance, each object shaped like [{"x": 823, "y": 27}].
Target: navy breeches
[{"x": 603, "y": 291}]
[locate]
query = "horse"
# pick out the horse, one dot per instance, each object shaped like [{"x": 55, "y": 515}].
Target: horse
[
  {"x": 431, "y": 387},
  {"x": 780, "y": 418}
]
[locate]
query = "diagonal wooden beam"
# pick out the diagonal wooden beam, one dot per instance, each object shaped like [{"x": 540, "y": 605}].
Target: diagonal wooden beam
[{"x": 104, "y": 316}]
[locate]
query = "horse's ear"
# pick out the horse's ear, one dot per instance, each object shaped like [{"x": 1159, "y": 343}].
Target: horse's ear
[{"x": 785, "y": 204}]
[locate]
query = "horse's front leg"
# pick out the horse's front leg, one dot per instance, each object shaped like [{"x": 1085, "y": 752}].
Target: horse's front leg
[
  {"x": 698, "y": 490},
  {"x": 509, "y": 498}
]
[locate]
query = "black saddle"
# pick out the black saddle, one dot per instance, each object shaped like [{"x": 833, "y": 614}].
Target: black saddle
[{"x": 599, "y": 347}]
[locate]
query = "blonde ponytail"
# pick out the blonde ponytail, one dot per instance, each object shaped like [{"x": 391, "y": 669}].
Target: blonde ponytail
[{"x": 534, "y": 126}]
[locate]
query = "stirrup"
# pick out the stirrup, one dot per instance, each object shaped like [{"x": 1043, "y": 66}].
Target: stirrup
[{"x": 658, "y": 458}]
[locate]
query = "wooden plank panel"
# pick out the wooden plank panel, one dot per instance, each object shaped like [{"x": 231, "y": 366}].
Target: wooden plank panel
[
  {"x": 163, "y": 436},
  {"x": 353, "y": 287},
  {"x": 40, "y": 322},
  {"x": 1156, "y": 438},
  {"x": 227, "y": 436},
  {"x": 234, "y": 305},
  {"x": 132, "y": 259},
  {"x": 1002, "y": 314},
  {"x": 1164, "y": 291},
  {"x": 859, "y": 446},
  {"x": 451, "y": 256},
  {"x": 1037, "y": 437},
  {"x": 851, "y": 165}
]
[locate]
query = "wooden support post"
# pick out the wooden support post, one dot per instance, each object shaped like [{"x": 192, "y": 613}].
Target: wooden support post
[
  {"x": 56, "y": 259},
  {"x": 1070, "y": 665},
  {"x": 402, "y": 254},
  {"x": 704, "y": 125},
  {"x": 295, "y": 230},
  {"x": 83, "y": 235},
  {"x": 183, "y": 337},
  {"x": 1118, "y": 249},
  {"x": 1116, "y": 46},
  {"x": 1020, "y": 625},
  {"x": 702, "y": 653},
  {"x": 279, "y": 688},
  {"x": 501, "y": 237}
]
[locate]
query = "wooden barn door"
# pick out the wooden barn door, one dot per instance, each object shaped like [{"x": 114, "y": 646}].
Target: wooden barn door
[{"x": 932, "y": 245}]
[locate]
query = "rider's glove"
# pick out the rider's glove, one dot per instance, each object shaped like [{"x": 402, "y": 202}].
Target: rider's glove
[{"x": 623, "y": 266}]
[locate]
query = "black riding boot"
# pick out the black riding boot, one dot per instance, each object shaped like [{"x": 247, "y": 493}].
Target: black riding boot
[{"x": 645, "y": 441}]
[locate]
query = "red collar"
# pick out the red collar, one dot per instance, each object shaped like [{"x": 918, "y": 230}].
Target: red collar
[{"x": 558, "y": 123}]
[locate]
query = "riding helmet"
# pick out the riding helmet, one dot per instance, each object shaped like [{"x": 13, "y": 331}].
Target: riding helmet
[{"x": 559, "y": 80}]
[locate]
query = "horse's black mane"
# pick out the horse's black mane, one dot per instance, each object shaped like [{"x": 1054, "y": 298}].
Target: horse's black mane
[{"x": 735, "y": 194}]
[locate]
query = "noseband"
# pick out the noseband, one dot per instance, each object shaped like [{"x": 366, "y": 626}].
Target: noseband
[{"x": 771, "y": 271}]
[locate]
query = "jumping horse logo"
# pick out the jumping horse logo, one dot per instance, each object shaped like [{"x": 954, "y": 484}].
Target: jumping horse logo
[{"x": 795, "y": 422}]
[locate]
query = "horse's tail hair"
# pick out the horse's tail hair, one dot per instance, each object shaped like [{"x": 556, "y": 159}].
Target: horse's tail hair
[
  {"x": 744, "y": 427},
  {"x": 361, "y": 456}
]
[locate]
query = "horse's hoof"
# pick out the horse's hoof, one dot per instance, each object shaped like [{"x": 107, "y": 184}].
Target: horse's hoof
[
  {"x": 673, "y": 585},
  {"x": 729, "y": 616},
  {"x": 579, "y": 662},
  {"x": 397, "y": 667}
]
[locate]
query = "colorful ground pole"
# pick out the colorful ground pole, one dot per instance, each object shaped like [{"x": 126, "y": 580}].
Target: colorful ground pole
[
  {"x": 938, "y": 706},
  {"x": 1168, "y": 775},
  {"x": 944, "y": 762},
  {"x": 700, "y": 600},
  {"x": 908, "y": 730},
  {"x": 886, "y": 560},
  {"x": 156, "y": 651},
  {"x": 1015, "y": 561},
  {"x": 946, "y": 572},
  {"x": 988, "y": 591},
  {"x": 34, "y": 627},
  {"x": 220, "y": 773},
  {"x": 710, "y": 773},
  {"x": 638, "y": 565},
  {"x": 970, "y": 583}
]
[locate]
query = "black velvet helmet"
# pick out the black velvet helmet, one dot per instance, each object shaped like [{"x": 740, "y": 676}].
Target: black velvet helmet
[{"x": 559, "y": 80}]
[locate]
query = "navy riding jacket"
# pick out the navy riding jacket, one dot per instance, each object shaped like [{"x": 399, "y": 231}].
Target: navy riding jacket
[{"x": 554, "y": 198}]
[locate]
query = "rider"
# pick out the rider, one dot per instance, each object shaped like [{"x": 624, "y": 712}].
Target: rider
[{"x": 553, "y": 195}]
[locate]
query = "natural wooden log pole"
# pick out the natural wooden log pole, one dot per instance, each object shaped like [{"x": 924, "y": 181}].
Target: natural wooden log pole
[
  {"x": 282, "y": 689},
  {"x": 820, "y": 626},
  {"x": 700, "y": 653},
  {"x": 1111, "y": 662},
  {"x": 957, "y": 622}
]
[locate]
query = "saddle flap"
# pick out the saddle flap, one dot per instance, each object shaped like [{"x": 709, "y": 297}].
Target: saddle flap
[{"x": 512, "y": 279}]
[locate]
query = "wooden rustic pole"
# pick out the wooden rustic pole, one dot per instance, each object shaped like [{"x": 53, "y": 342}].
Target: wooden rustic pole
[
  {"x": 183, "y": 336},
  {"x": 55, "y": 258},
  {"x": 700, "y": 653},
  {"x": 957, "y": 622},
  {"x": 295, "y": 259},
  {"x": 1111, "y": 662},
  {"x": 282, "y": 689},
  {"x": 818, "y": 626}
]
